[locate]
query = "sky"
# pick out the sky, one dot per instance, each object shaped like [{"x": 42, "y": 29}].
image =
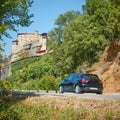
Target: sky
[{"x": 45, "y": 13}]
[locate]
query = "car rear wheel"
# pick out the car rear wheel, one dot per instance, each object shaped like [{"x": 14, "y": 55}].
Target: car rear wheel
[
  {"x": 77, "y": 89},
  {"x": 61, "y": 90},
  {"x": 99, "y": 92}
]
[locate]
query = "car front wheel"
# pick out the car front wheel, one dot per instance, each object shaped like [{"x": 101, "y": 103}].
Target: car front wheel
[
  {"x": 77, "y": 89},
  {"x": 61, "y": 90}
]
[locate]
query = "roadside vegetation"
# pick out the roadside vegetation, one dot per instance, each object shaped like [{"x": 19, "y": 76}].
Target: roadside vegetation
[
  {"x": 39, "y": 75},
  {"x": 54, "y": 108},
  {"x": 77, "y": 41},
  {"x": 18, "y": 65}
]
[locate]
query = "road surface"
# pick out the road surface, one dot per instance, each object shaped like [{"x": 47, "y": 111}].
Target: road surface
[{"x": 115, "y": 96}]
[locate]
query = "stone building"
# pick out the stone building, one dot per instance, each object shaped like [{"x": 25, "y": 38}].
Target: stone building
[{"x": 28, "y": 45}]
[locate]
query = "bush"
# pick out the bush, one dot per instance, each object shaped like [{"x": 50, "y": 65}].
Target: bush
[{"x": 49, "y": 82}]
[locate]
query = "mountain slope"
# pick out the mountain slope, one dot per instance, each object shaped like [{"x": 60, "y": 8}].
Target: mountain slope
[{"x": 108, "y": 68}]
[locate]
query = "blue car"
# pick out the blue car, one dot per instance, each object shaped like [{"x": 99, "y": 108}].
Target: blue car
[{"x": 81, "y": 83}]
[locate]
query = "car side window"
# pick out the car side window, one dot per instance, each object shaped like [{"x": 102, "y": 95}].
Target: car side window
[
  {"x": 79, "y": 75},
  {"x": 87, "y": 77},
  {"x": 68, "y": 78}
]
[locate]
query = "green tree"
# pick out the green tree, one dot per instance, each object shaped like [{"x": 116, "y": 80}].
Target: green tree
[
  {"x": 84, "y": 41},
  {"x": 41, "y": 68},
  {"x": 57, "y": 34},
  {"x": 56, "y": 39},
  {"x": 85, "y": 37},
  {"x": 32, "y": 74},
  {"x": 92, "y": 5},
  {"x": 106, "y": 14},
  {"x": 14, "y": 13}
]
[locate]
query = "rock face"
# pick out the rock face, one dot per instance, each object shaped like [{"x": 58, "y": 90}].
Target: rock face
[
  {"x": 108, "y": 68},
  {"x": 5, "y": 68}
]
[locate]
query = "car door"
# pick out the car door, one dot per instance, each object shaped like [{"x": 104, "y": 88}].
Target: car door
[{"x": 68, "y": 83}]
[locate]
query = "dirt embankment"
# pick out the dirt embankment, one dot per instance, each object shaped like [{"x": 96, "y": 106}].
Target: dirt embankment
[{"x": 108, "y": 68}]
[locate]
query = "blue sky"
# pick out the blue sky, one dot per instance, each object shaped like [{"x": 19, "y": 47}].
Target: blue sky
[{"x": 45, "y": 13}]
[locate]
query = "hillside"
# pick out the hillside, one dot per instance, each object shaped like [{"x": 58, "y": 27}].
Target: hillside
[{"x": 108, "y": 68}]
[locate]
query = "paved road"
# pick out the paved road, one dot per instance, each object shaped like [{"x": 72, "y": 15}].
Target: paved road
[
  {"x": 115, "y": 96},
  {"x": 93, "y": 96}
]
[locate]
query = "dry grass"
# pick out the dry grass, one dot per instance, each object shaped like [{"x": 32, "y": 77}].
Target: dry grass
[
  {"x": 59, "y": 108},
  {"x": 89, "y": 108}
]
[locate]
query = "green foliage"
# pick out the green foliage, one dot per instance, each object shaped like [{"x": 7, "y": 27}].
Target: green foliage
[
  {"x": 109, "y": 115},
  {"x": 18, "y": 65},
  {"x": 92, "y": 5},
  {"x": 57, "y": 34},
  {"x": 106, "y": 14},
  {"x": 65, "y": 19},
  {"x": 34, "y": 75},
  {"x": 84, "y": 38},
  {"x": 83, "y": 41},
  {"x": 10, "y": 114},
  {"x": 1, "y": 49},
  {"x": 41, "y": 68},
  {"x": 77, "y": 40},
  {"x": 56, "y": 38},
  {"x": 49, "y": 82},
  {"x": 1, "y": 84},
  {"x": 12, "y": 14},
  {"x": 5, "y": 85}
]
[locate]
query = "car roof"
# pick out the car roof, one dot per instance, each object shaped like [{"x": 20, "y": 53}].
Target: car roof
[{"x": 83, "y": 74}]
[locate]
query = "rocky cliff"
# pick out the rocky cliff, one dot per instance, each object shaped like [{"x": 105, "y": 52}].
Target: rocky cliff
[{"x": 108, "y": 68}]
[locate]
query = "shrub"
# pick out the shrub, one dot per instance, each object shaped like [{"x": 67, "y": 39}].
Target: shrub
[{"x": 49, "y": 82}]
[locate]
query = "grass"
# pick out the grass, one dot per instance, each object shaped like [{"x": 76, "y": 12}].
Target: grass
[{"x": 59, "y": 108}]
